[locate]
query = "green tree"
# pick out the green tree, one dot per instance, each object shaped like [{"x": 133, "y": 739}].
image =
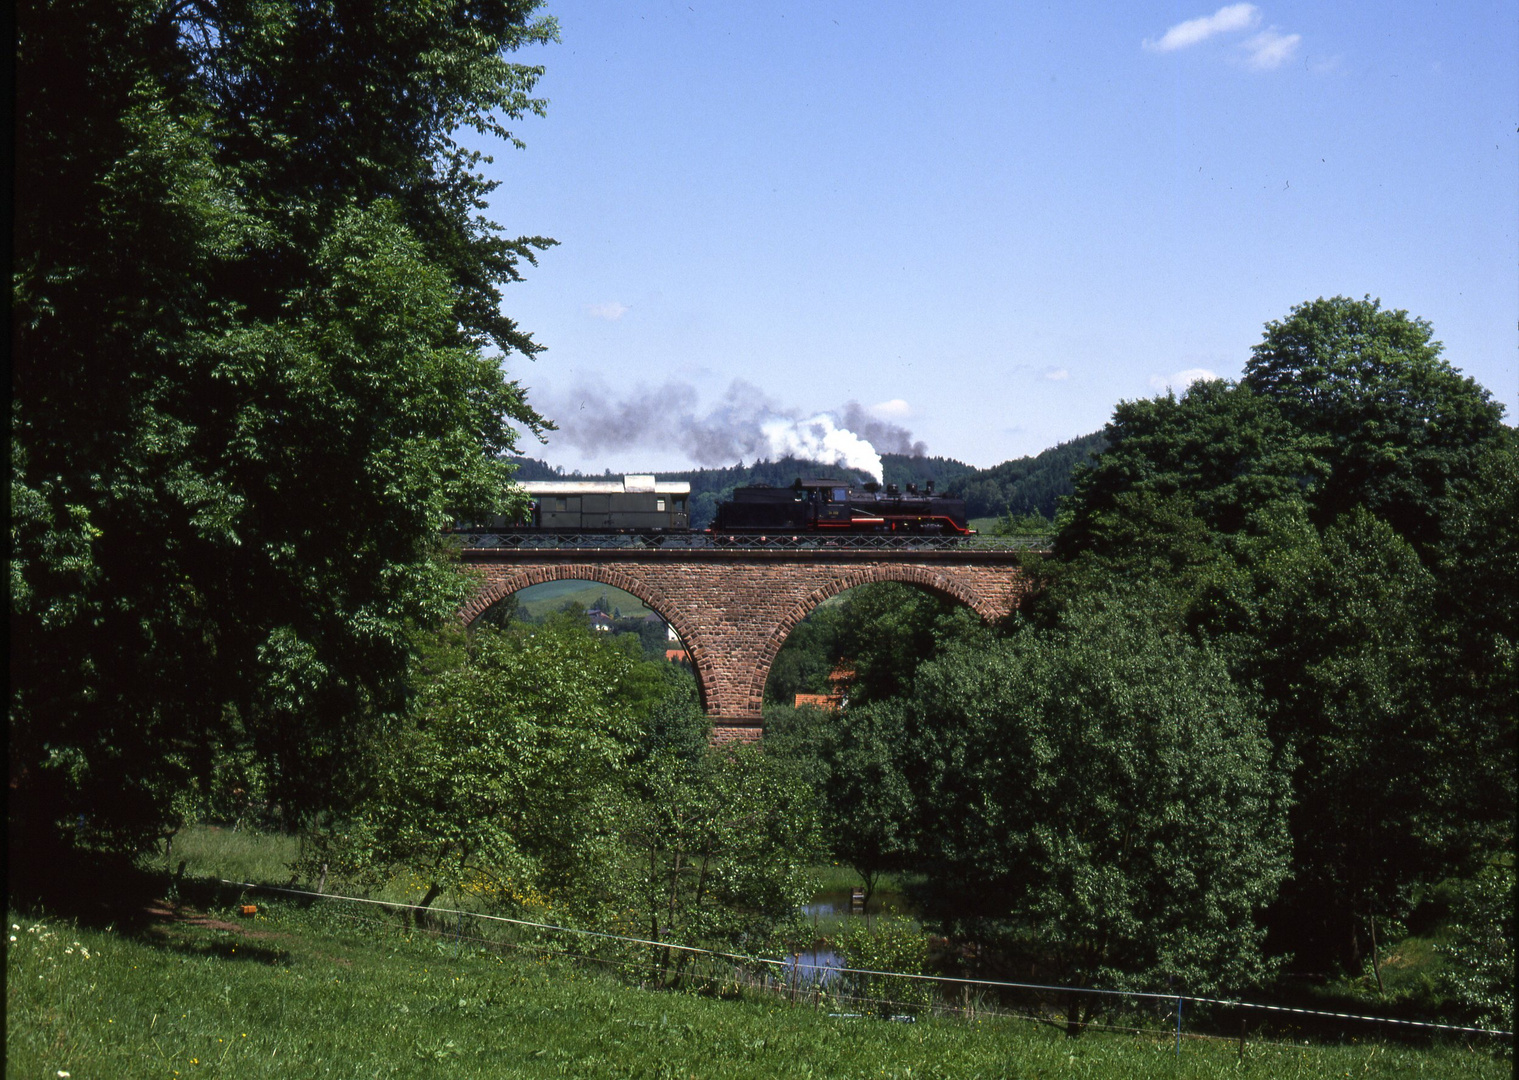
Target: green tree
[
  {"x": 870, "y": 808},
  {"x": 1341, "y": 657},
  {"x": 1100, "y": 797},
  {"x": 1402, "y": 426},
  {"x": 852, "y": 760},
  {"x": 888, "y": 629},
  {"x": 1338, "y": 529},
  {"x": 253, "y": 298},
  {"x": 512, "y": 779},
  {"x": 719, "y": 849},
  {"x": 1480, "y": 947}
]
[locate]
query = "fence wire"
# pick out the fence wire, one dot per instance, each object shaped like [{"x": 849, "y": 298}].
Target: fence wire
[{"x": 806, "y": 983}]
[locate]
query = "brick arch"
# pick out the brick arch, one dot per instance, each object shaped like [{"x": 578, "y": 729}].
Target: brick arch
[
  {"x": 499, "y": 588},
  {"x": 902, "y": 575}
]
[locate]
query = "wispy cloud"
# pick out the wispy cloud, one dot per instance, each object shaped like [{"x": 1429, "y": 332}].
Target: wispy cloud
[
  {"x": 1057, "y": 374},
  {"x": 611, "y": 311},
  {"x": 1271, "y": 49},
  {"x": 1181, "y": 380},
  {"x": 1224, "y": 20},
  {"x": 894, "y": 407}
]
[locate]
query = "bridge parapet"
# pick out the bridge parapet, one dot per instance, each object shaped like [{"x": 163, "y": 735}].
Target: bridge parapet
[{"x": 734, "y": 607}]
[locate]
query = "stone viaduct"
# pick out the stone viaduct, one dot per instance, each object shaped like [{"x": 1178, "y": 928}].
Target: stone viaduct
[{"x": 734, "y": 607}]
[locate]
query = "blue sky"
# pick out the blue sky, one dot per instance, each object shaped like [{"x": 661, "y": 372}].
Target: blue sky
[{"x": 987, "y": 223}]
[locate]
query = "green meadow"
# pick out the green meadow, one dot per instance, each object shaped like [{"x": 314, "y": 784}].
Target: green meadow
[{"x": 134, "y": 986}]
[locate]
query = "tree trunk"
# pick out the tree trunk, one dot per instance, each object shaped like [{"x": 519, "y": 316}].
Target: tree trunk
[
  {"x": 1376, "y": 964},
  {"x": 419, "y": 916},
  {"x": 1073, "y": 1022}
]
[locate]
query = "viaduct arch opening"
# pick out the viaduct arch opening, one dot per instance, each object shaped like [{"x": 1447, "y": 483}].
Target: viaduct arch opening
[
  {"x": 497, "y": 590},
  {"x": 931, "y": 585}
]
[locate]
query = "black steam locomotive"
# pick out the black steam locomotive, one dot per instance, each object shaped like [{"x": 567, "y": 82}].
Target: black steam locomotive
[{"x": 824, "y": 506}]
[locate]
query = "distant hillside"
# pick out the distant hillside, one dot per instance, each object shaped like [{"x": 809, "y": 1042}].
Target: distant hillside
[
  {"x": 903, "y": 470},
  {"x": 1027, "y": 485}
]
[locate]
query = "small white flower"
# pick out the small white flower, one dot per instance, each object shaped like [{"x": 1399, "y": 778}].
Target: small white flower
[
  {"x": 62, "y": 1073},
  {"x": 15, "y": 926},
  {"x": 84, "y": 952},
  {"x": 13, "y": 937}
]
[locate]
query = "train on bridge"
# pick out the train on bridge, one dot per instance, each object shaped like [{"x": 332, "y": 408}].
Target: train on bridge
[{"x": 641, "y": 506}]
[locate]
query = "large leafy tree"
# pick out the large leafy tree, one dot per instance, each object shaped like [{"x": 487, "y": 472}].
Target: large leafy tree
[
  {"x": 511, "y": 782},
  {"x": 1338, "y": 528},
  {"x": 1098, "y": 795},
  {"x": 256, "y": 368},
  {"x": 1402, "y": 427}
]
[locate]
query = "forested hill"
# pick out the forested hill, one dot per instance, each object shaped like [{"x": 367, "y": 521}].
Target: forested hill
[
  {"x": 711, "y": 486},
  {"x": 1026, "y": 485}
]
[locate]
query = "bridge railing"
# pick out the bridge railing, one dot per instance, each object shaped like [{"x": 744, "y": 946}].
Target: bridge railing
[{"x": 580, "y": 541}]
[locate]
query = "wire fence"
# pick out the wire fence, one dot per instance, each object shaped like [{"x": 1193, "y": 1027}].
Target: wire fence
[{"x": 821, "y": 980}]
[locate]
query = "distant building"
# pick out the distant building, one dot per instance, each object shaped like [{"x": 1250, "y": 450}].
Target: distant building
[
  {"x": 839, "y": 681},
  {"x": 677, "y": 656}
]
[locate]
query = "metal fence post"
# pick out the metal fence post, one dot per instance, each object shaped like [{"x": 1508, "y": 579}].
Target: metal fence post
[{"x": 1178, "y": 1028}]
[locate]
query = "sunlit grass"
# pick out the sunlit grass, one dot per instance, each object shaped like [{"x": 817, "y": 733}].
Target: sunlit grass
[
  {"x": 239, "y": 855},
  {"x": 311, "y": 993}
]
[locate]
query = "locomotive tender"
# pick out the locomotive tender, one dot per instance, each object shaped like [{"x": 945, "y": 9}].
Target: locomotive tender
[{"x": 639, "y": 505}]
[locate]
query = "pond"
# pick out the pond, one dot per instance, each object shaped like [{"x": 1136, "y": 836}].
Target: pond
[
  {"x": 832, "y": 903},
  {"x": 814, "y": 967}
]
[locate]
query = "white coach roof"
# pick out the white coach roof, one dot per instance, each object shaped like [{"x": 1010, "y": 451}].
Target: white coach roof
[{"x": 631, "y": 484}]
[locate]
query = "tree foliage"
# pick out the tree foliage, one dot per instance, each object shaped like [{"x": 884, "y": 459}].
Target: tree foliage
[
  {"x": 1098, "y": 796},
  {"x": 252, "y": 301},
  {"x": 510, "y": 782},
  {"x": 719, "y": 849},
  {"x": 1338, "y": 528},
  {"x": 1401, "y": 426}
]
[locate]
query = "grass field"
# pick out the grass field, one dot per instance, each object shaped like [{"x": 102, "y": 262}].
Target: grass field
[
  {"x": 338, "y": 990},
  {"x": 551, "y": 596}
]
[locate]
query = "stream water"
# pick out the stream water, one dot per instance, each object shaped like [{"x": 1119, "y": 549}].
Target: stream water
[{"x": 832, "y": 903}]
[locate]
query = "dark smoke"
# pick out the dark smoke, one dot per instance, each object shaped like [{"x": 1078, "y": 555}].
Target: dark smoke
[
  {"x": 886, "y": 437},
  {"x": 734, "y": 429}
]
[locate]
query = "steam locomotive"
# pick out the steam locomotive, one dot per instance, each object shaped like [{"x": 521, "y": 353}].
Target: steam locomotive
[
  {"x": 837, "y": 506},
  {"x": 641, "y": 506}
]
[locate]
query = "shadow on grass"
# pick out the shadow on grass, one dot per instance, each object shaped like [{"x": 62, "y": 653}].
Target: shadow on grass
[{"x": 101, "y": 890}]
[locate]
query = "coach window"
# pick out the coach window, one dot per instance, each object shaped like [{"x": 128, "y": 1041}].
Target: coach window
[
  {"x": 840, "y": 494},
  {"x": 659, "y": 504}
]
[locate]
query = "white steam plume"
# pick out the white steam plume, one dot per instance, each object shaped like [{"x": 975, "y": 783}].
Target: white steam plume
[{"x": 744, "y": 425}]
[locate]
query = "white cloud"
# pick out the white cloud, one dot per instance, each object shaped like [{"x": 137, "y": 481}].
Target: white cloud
[
  {"x": 1056, "y": 374},
  {"x": 611, "y": 311},
  {"x": 1224, "y": 20},
  {"x": 894, "y": 407},
  {"x": 1181, "y": 379},
  {"x": 1271, "y": 49}
]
